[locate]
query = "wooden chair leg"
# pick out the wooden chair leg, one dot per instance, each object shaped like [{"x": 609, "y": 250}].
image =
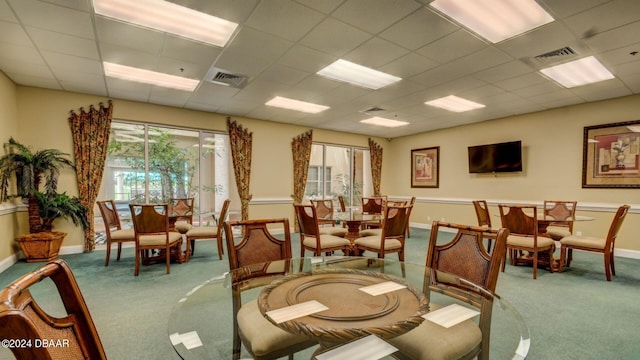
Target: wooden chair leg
[
  {"x": 119, "y": 250},
  {"x": 612, "y": 263},
  {"x": 106, "y": 261},
  {"x": 535, "y": 265},
  {"x": 167, "y": 256},
  {"x": 137, "y": 264},
  {"x": 607, "y": 266}
]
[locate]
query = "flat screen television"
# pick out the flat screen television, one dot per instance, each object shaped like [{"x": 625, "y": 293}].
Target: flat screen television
[{"x": 494, "y": 158}]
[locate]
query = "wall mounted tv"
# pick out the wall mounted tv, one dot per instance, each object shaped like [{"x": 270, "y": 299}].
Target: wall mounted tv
[{"x": 494, "y": 158}]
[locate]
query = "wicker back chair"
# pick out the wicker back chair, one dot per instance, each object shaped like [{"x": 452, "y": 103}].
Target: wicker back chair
[
  {"x": 72, "y": 336},
  {"x": 475, "y": 276},
  {"x": 113, "y": 228},
  {"x": 256, "y": 249}
]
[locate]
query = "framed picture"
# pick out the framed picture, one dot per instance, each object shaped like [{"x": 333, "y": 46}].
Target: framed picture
[
  {"x": 425, "y": 167},
  {"x": 611, "y": 155}
]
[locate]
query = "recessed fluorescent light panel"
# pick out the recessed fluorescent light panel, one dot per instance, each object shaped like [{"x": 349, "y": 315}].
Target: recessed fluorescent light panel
[
  {"x": 168, "y": 17},
  {"x": 455, "y": 104},
  {"x": 378, "y": 121},
  {"x": 149, "y": 77},
  {"x": 495, "y": 20},
  {"x": 578, "y": 72},
  {"x": 297, "y": 105},
  {"x": 343, "y": 70}
]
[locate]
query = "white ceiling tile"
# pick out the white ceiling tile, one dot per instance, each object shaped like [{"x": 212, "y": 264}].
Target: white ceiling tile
[
  {"x": 128, "y": 36},
  {"x": 375, "y": 52},
  {"x": 325, "y": 6},
  {"x": 284, "y": 18},
  {"x": 419, "y": 29},
  {"x": 452, "y": 46},
  {"x": 374, "y": 15},
  {"x": 6, "y": 14},
  {"x": 194, "y": 52},
  {"x": 334, "y": 37},
  {"x": 306, "y": 59},
  {"x": 13, "y": 33},
  {"x": 408, "y": 65},
  {"x": 57, "y": 60},
  {"x": 401, "y": 37},
  {"x": 54, "y": 18},
  {"x": 64, "y": 44}
]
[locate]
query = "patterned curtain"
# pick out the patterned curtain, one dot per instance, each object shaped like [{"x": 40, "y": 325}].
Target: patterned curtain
[
  {"x": 301, "y": 150},
  {"x": 90, "y": 132},
  {"x": 375, "y": 152},
  {"x": 240, "y": 140}
]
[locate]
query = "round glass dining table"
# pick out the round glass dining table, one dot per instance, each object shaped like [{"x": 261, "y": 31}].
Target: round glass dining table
[{"x": 201, "y": 324}]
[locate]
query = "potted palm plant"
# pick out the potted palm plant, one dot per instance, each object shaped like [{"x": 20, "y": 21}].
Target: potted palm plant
[{"x": 31, "y": 170}]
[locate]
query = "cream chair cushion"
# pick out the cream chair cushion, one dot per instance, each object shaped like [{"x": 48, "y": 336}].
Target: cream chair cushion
[
  {"x": 558, "y": 232},
  {"x": 374, "y": 242},
  {"x": 326, "y": 241},
  {"x": 182, "y": 227},
  {"x": 430, "y": 341},
  {"x": 332, "y": 230},
  {"x": 200, "y": 231},
  {"x": 261, "y": 336},
  {"x": 123, "y": 234},
  {"x": 371, "y": 232},
  {"x": 148, "y": 240},
  {"x": 523, "y": 241},
  {"x": 584, "y": 241}
]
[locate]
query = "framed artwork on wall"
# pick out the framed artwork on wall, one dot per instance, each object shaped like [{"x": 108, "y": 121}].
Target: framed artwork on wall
[
  {"x": 611, "y": 155},
  {"x": 425, "y": 167}
]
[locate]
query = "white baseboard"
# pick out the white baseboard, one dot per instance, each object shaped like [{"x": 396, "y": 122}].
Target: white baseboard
[{"x": 6, "y": 263}]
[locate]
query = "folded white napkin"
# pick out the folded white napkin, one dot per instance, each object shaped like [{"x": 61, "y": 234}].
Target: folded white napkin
[
  {"x": 190, "y": 340},
  {"x": 382, "y": 288},
  {"x": 450, "y": 315},
  {"x": 295, "y": 311},
  {"x": 367, "y": 348}
]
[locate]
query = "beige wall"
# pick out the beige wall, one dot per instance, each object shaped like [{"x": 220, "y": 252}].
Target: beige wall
[
  {"x": 8, "y": 127},
  {"x": 43, "y": 121},
  {"x": 552, "y": 143},
  {"x": 552, "y": 160}
]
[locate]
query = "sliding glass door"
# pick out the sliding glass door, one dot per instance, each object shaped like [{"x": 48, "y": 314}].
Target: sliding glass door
[
  {"x": 339, "y": 171},
  {"x": 150, "y": 164}
]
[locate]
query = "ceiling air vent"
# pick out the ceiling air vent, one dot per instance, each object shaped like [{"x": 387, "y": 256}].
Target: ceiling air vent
[
  {"x": 222, "y": 77},
  {"x": 555, "y": 55},
  {"x": 373, "y": 110}
]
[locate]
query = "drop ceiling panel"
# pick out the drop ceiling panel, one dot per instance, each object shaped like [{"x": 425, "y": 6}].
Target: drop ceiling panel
[
  {"x": 65, "y": 44},
  {"x": 335, "y": 37},
  {"x": 419, "y": 29},
  {"x": 455, "y": 45},
  {"x": 54, "y": 18},
  {"x": 374, "y": 15},
  {"x": 281, "y": 44},
  {"x": 375, "y": 53},
  {"x": 284, "y": 18},
  {"x": 13, "y": 33}
]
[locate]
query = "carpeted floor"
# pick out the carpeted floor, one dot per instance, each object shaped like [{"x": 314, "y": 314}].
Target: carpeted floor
[{"x": 576, "y": 314}]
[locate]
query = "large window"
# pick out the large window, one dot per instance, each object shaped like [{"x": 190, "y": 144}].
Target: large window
[
  {"x": 339, "y": 171},
  {"x": 150, "y": 164}
]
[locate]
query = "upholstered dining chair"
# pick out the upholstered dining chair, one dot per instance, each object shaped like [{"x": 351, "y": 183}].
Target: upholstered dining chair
[
  {"x": 258, "y": 245},
  {"x": 522, "y": 222},
  {"x": 208, "y": 232},
  {"x": 605, "y": 246},
  {"x": 392, "y": 237},
  {"x": 466, "y": 257},
  {"x": 151, "y": 225},
  {"x": 22, "y": 318},
  {"x": 484, "y": 218},
  {"x": 324, "y": 210},
  {"x": 181, "y": 214},
  {"x": 373, "y": 206},
  {"x": 310, "y": 236},
  {"x": 113, "y": 228},
  {"x": 560, "y": 211}
]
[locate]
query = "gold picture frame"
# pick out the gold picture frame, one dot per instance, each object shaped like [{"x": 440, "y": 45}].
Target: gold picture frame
[
  {"x": 425, "y": 167},
  {"x": 611, "y": 155}
]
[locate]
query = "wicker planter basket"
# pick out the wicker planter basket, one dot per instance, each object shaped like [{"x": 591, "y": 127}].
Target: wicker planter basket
[{"x": 42, "y": 246}]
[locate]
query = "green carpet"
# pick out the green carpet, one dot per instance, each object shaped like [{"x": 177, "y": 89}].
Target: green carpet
[{"x": 576, "y": 314}]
